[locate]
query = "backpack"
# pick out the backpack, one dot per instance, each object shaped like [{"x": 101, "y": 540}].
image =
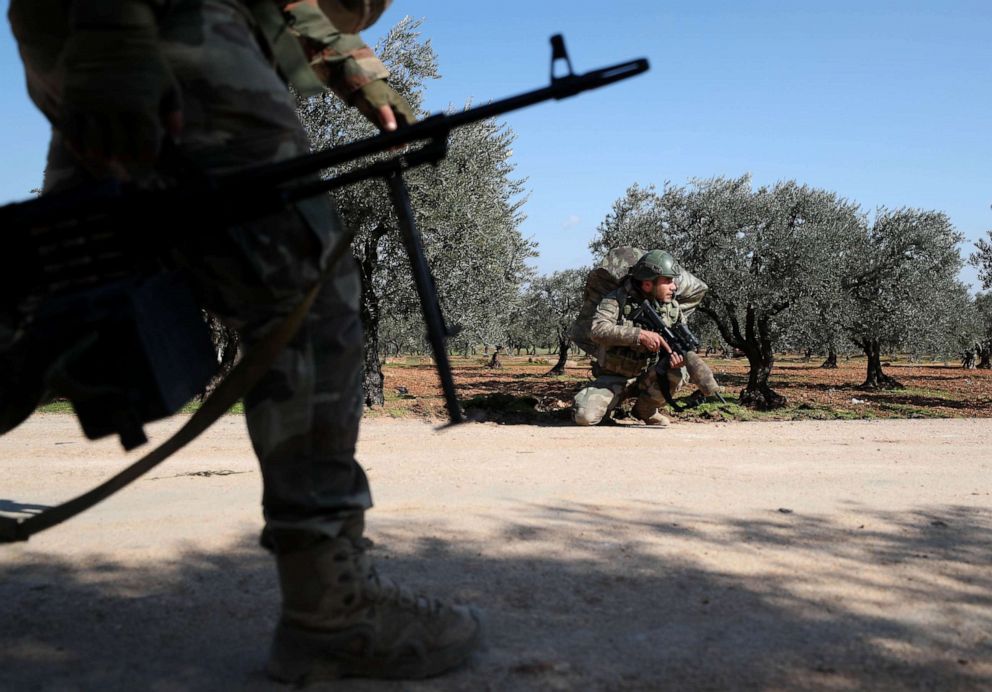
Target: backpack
[{"x": 608, "y": 276}]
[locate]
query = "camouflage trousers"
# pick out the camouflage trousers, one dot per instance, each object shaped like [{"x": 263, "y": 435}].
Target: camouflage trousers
[
  {"x": 607, "y": 391},
  {"x": 303, "y": 415}
]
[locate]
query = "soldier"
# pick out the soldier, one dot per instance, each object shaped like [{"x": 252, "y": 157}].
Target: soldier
[
  {"x": 628, "y": 353},
  {"x": 114, "y": 76}
]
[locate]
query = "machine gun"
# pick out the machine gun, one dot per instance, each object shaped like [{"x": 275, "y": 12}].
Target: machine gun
[
  {"x": 683, "y": 342},
  {"x": 76, "y": 253}
]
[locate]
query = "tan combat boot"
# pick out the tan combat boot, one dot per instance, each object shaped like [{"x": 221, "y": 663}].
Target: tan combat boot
[
  {"x": 341, "y": 619},
  {"x": 649, "y": 414}
]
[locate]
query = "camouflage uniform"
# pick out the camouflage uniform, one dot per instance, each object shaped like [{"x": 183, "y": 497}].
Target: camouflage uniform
[
  {"x": 622, "y": 366},
  {"x": 303, "y": 415}
]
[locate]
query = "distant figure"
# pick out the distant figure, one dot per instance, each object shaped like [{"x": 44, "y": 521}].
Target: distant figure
[
  {"x": 495, "y": 362},
  {"x": 968, "y": 359}
]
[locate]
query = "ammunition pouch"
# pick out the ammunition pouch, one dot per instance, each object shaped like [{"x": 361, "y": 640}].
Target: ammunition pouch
[{"x": 98, "y": 318}]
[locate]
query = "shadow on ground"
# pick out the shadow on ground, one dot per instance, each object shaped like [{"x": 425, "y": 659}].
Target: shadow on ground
[{"x": 585, "y": 597}]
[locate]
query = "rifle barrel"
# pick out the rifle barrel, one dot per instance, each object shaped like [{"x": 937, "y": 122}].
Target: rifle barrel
[{"x": 432, "y": 127}]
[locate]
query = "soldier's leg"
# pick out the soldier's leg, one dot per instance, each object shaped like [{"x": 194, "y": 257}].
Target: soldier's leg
[
  {"x": 651, "y": 399},
  {"x": 339, "y": 616},
  {"x": 592, "y": 403}
]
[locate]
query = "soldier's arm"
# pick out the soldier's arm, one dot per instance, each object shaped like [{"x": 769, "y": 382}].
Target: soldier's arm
[
  {"x": 605, "y": 330},
  {"x": 328, "y": 32},
  {"x": 338, "y": 56}
]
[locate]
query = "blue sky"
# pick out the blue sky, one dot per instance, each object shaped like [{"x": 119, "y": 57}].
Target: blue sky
[{"x": 886, "y": 103}]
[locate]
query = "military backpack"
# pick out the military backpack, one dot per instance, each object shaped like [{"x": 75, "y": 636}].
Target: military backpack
[{"x": 608, "y": 275}]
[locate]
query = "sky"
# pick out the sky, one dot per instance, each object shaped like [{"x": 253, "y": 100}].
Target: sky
[{"x": 888, "y": 104}]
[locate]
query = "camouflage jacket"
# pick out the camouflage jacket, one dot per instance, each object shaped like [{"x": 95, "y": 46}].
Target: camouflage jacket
[
  {"x": 328, "y": 30},
  {"x": 617, "y": 336}
]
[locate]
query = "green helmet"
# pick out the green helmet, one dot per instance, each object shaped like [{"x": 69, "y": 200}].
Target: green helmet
[{"x": 654, "y": 264}]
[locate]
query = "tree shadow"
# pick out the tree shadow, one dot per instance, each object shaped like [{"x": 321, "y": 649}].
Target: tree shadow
[{"x": 577, "y": 596}]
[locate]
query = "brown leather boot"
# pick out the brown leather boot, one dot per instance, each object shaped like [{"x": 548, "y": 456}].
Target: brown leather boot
[{"x": 341, "y": 619}]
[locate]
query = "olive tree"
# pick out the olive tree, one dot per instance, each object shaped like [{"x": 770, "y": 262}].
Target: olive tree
[
  {"x": 982, "y": 258},
  {"x": 468, "y": 210},
  {"x": 555, "y": 300},
  {"x": 983, "y": 342},
  {"x": 900, "y": 274}
]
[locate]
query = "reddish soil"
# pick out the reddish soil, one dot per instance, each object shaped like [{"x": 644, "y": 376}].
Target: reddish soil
[{"x": 522, "y": 386}]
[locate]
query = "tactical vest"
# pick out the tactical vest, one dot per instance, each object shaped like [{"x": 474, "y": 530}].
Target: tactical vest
[{"x": 631, "y": 361}]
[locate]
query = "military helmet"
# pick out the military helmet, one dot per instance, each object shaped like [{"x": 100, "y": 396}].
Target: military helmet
[{"x": 654, "y": 264}]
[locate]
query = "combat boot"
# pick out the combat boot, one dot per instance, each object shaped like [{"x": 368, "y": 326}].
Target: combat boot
[
  {"x": 340, "y": 618},
  {"x": 649, "y": 414}
]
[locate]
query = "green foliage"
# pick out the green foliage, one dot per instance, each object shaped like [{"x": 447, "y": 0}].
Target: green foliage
[
  {"x": 982, "y": 258},
  {"x": 57, "y": 406},
  {"x": 468, "y": 210}
]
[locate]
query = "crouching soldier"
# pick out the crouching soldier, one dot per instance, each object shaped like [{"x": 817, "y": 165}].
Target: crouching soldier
[{"x": 625, "y": 364}]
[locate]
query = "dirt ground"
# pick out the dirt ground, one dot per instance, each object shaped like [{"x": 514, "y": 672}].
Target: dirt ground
[
  {"x": 522, "y": 391},
  {"x": 820, "y": 555}
]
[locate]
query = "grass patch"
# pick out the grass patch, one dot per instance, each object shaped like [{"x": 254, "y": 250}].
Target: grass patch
[
  {"x": 911, "y": 411},
  {"x": 65, "y": 406},
  {"x": 733, "y": 411},
  {"x": 919, "y": 391},
  {"x": 57, "y": 406}
]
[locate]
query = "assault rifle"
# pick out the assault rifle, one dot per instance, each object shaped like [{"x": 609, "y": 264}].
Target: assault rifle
[
  {"x": 85, "y": 272},
  {"x": 683, "y": 342}
]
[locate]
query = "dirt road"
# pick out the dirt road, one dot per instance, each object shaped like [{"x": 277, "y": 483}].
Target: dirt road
[{"x": 816, "y": 555}]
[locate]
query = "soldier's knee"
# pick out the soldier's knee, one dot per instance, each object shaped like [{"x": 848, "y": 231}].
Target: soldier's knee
[{"x": 584, "y": 415}]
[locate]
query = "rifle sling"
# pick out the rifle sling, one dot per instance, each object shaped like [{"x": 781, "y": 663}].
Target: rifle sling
[{"x": 666, "y": 385}]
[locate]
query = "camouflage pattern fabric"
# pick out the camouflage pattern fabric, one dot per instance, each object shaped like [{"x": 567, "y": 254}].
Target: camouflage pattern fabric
[
  {"x": 616, "y": 335},
  {"x": 599, "y": 282},
  {"x": 303, "y": 415},
  {"x": 336, "y": 53},
  {"x": 606, "y": 392},
  {"x": 623, "y": 367}
]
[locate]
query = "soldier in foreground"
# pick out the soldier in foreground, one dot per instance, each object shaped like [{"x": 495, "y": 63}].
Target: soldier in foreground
[
  {"x": 627, "y": 355},
  {"x": 115, "y": 78}
]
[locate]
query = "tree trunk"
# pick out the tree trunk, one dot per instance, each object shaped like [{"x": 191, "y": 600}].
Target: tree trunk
[
  {"x": 831, "y": 361},
  {"x": 985, "y": 356},
  {"x": 559, "y": 368},
  {"x": 876, "y": 379},
  {"x": 757, "y": 394},
  {"x": 372, "y": 377},
  {"x": 760, "y": 356}
]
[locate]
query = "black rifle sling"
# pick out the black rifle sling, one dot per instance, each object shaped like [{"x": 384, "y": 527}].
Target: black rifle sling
[
  {"x": 666, "y": 386},
  {"x": 245, "y": 374}
]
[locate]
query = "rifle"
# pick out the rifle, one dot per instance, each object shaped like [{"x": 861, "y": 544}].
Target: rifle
[
  {"x": 683, "y": 342},
  {"x": 69, "y": 244}
]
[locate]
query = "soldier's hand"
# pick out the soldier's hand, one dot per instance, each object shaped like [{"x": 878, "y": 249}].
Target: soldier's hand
[
  {"x": 650, "y": 340},
  {"x": 383, "y": 106},
  {"x": 675, "y": 360},
  {"x": 119, "y": 96}
]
